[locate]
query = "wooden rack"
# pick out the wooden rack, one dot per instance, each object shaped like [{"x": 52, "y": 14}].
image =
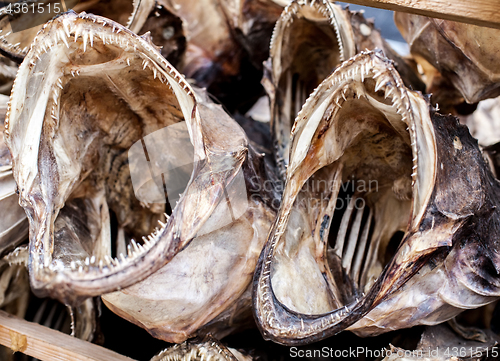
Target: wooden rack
[
  {"x": 476, "y": 12},
  {"x": 49, "y": 345}
]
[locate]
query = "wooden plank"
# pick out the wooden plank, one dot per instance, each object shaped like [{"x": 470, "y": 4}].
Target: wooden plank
[
  {"x": 49, "y": 345},
  {"x": 477, "y": 12}
]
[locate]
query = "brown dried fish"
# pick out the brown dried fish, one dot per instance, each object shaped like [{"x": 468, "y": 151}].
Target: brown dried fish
[
  {"x": 224, "y": 50},
  {"x": 412, "y": 176},
  {"x": 464, "y": 54}
]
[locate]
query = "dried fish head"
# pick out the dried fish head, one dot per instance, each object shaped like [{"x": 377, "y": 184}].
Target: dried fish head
[
  {"x": 297, "y": 65},
  {"x": 208, "y": 348},
  {"x": 87, "y": 93},
  {"x": 206, "y": 288},
  {"x": 464, "y": 54},
  {"x": 325, "y": 267},
  {"x": 20, "y": 22}
]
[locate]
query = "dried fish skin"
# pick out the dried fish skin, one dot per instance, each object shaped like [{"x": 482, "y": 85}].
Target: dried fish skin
[
  {"x": 465, "y": 54},
  {"x": 13, "y": 223},
  {"x": 447, "y": 258},
  {"x": 18, "y": 28},
  {"x": 296, "y": 66},
  {"x": 208, "y": 348},
  {"x": 89, "y": 84},
  {"x": 251, "y": 23},
  {"x": 206, "y": 288},
  {"x": 221, "y": 54}
]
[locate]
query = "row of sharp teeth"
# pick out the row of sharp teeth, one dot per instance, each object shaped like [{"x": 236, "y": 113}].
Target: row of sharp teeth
[
  {"x": 8, "y": 45},
  {"x": 400, "y": 101},
  {"x": 146, "y": 63},
  {"x": 87, "y": 36},
  {"x": 65, "y": 33},
  {"x": 292, "y": 9},
  {"x": 108, "y": 264},
  {"x": 290, "y": 12},
  {"x": 196, "y": 353}
]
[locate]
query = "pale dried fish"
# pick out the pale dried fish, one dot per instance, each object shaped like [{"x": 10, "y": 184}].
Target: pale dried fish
[
  {"x": 74, "y": 166},
  {"x": 322, "y": 272},
  {"x": 206, "y": 288},
  {"x": 21, "y": 21},
  {"x": 297, "y": 65}
]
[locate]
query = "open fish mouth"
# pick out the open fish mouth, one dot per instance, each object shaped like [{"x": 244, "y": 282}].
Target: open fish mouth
[
  {"x": 20, "y": 22},
  {"x": 88, "y": 90},
  {"x": 296, "y": 65},
  {"x": 389, "y": 215},
  {"x": 362, "y": 209}
]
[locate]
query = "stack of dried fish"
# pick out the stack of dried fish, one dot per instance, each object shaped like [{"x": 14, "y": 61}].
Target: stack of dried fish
[{"x": 356, "y": 207}]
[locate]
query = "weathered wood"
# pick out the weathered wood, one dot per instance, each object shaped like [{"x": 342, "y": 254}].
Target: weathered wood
[
  {"x": 49, "y": 345},
  {"x": 477, "y": 12}
]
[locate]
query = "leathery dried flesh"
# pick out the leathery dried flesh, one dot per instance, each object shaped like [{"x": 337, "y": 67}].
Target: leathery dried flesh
[
  {"x": 83, "y": 58},
  {"x": 360, "y": 125}
]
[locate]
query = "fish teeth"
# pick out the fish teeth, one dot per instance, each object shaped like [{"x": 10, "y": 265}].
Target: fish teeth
[
  {"x": 85, "y": 38},
  {"x": 66, "y": 28},
  {"x": 379, "y": 85},
  {"x": 134, "y": 245},
  {"x": 77, "y": 34}
]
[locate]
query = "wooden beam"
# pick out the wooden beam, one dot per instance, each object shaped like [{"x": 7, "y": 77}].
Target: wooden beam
[
  {"x": 477, "y": 12},
  {"x": 49, "y": 345}
]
